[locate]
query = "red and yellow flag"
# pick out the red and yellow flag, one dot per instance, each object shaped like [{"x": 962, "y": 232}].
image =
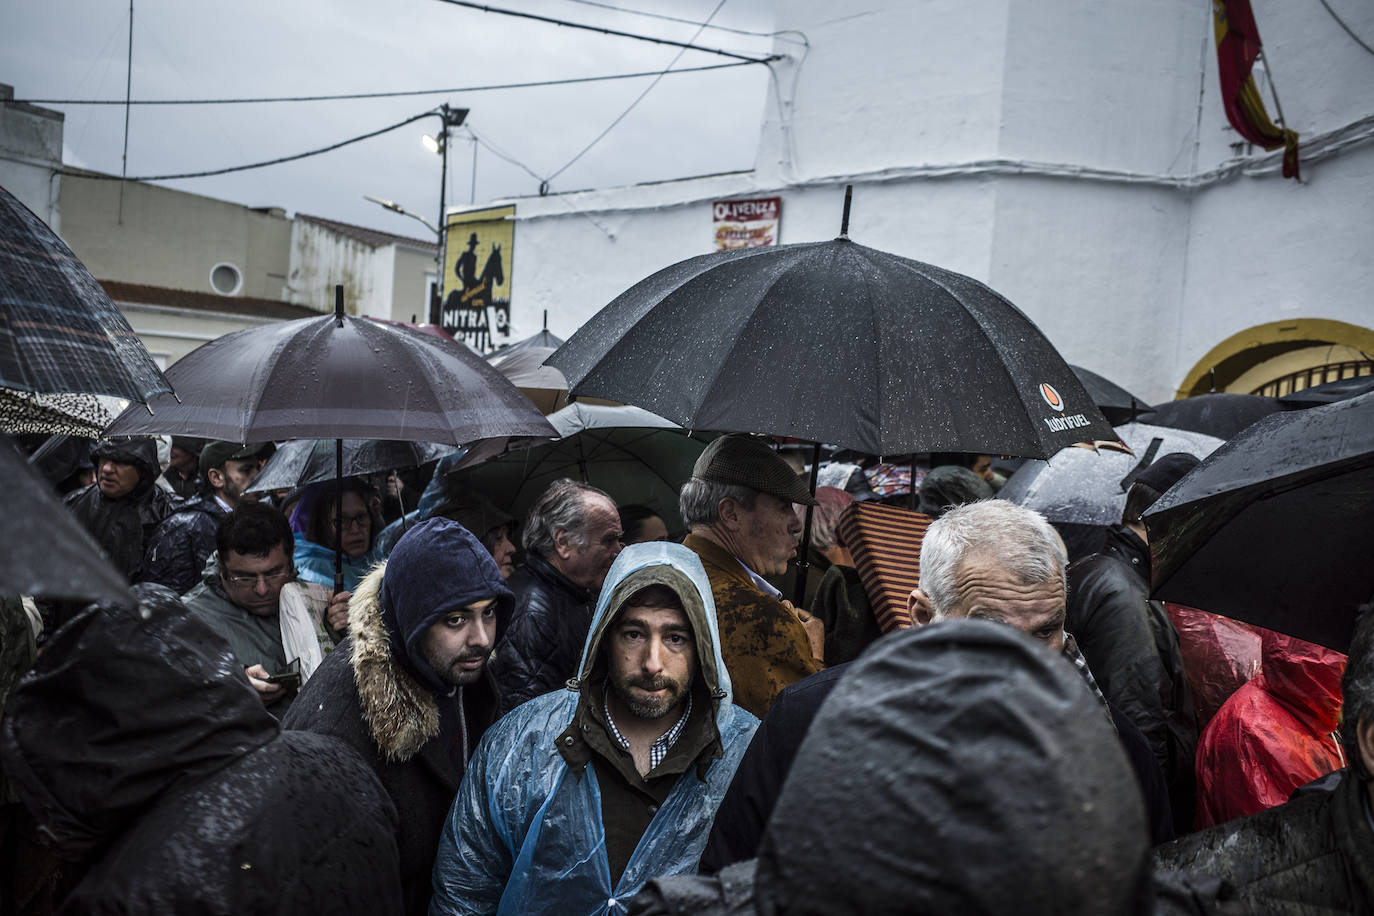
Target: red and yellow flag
[{"x": 1238, "y": 44}]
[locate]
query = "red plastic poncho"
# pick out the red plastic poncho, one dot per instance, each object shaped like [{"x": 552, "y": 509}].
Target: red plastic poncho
[
  {"x": 1219, "y": 656},
  {"x": 1274, "y": 734}
]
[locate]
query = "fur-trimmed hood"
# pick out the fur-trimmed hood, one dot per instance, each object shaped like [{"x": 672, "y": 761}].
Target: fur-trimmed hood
[{"x": 401, "y": 714}]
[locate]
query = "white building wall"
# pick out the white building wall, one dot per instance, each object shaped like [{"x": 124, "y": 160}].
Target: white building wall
[
  {"x": 321, "y": 259},
  {"x": 1075, "y": 156},
  {"x": 30, "y": 156}
]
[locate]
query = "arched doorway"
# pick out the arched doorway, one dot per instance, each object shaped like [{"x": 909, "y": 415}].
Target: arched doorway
[{"x": 1283, "y": 356}]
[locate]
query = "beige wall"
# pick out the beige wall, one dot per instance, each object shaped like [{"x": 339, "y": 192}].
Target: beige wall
[
  {"x": 171, "y": 333},
  {"x": 173, "y": 238},
  {"x": 410, "y": 285}
]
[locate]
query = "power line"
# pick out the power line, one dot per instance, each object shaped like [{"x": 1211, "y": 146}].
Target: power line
[
  {"x": 256, "y": 165},
  {"x": 388, "y": 95},
  {"x": 604, "y": 31},
  {"x": 1340, "y": 22},
  {"x": 646, "y": 13},
  {"x": 543, "y": 187}
]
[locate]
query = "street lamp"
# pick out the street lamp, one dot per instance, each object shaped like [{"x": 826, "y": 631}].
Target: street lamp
[
  {"x": 397, "y": 208},
  {"x": 451, "y": 118}
]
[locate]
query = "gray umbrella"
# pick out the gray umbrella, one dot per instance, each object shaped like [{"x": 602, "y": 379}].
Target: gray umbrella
[
  {"x": 1081, "y": 486},
  {"x": 46, "y": 552},
  {"x": 305, "y": 461}
]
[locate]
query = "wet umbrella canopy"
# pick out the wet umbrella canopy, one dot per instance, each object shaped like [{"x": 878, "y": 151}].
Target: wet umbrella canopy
[
  {"x": 834, "y": 342},
  {"x": 59, "y": 329},
  {"x": 1081, "y": 486},
  {"x": 46, "y": 552},
  {"x": 327, "y": 377},
  {"x": 305, "y": 461},
  {"x": 1217, "y": 414},
  {"x": 1274, "y": 528}
]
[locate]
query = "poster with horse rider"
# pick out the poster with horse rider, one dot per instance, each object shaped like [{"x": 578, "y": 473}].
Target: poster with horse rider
[{"x": 478, "y": 259}]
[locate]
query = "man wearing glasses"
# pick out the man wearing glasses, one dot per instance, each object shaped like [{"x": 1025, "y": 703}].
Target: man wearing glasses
[{"x": 240, "y": 598}]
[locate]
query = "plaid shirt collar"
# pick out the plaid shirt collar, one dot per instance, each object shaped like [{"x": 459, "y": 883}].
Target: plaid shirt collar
[
  {"x": 659, "y": 749},
  {"x": 1080, "y": 664}
]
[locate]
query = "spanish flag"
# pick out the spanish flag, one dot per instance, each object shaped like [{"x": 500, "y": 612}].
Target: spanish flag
[{"x": 1238, "y": 44}]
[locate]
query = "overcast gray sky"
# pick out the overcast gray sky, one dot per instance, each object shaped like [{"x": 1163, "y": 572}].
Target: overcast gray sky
[{"x": 689, "y": 124}]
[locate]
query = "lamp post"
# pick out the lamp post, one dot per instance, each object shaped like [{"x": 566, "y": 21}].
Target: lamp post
[{"x": 451, "y": 118}]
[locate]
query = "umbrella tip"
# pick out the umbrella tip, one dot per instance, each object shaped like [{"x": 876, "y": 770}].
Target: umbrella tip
[
  {"x": 844, "y": 217},
  {"x": 338, "y": 305}
]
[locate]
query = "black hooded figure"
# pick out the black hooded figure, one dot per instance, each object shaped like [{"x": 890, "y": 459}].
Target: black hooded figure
[
  {"x": 153, "y": 771},
  {"x": 956, "y": 768},
  {"x": 124, "y": 525}
]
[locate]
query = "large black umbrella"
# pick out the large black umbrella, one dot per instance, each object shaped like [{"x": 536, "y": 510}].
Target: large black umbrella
[
  {"x": 834, "y": 342},
  {"x": 1217, "y": 414},
  {"x": 1116, "y": 403},
  {"x": 59, "y": 330},
  {"x": 44, "y": 551},
  {"x": 335, "y": 377},
  {"x": 1276, "y": 527}
]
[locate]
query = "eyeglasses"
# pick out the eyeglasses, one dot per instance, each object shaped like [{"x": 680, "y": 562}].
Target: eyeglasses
[
  {"x": 268, "y": 578},
  {"x": 361, "y": 520}
]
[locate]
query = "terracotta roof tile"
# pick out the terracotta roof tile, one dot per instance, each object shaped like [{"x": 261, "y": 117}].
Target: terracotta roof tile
[
  {"x": 371, "y": 237},
  {"x": 204, "y": 302}
]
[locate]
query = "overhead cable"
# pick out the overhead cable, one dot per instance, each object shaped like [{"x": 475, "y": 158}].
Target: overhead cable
[
  {"x": 387, "y": 95},
  {"x": 1340, "y": 22},
  {"x": 646, "y": 13},
  {"x": 255, "y": 165},
  {"x": 604, "y": 31}
]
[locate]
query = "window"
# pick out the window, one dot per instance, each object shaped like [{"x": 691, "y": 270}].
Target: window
[{"x": 226, "y": 279}]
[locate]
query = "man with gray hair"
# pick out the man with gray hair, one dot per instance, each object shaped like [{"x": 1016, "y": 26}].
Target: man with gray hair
[
  {"x": 571, "y": 538},
  {"x": 1314, "y": 854},
  {"x": 998, "y": 561},
  {"x": 738, "y": 508}
]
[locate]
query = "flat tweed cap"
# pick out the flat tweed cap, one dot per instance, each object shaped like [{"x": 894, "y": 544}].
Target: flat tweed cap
[{"x": 747, "y": 461}]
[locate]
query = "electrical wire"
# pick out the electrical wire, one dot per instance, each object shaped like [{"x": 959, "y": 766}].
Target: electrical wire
[
  {"x": 665, "y": 18},
  {"x": 255, "y": 165},
  {"x": 604, "y": 31},
  {"x": 544, "y": 187},
  {"x": 389, "y": 95},
  {"x": 1342, "y": 24}
]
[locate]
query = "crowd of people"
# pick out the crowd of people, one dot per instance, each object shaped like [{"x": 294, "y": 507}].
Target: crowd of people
[{"x": 355, "y": 696}]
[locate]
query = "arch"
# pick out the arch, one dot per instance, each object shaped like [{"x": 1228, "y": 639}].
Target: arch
[{"x": 1231, "y": 358}]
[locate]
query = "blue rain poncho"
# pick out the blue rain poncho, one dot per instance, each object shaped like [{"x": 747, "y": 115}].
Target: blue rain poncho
[{"x": 524, "y": 835}]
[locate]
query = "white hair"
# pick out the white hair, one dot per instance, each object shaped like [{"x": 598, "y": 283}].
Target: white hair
[{"x": 1019, "y": 539}]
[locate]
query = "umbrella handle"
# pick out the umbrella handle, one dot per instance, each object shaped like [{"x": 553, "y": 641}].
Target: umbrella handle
[{"x": 804, "y": 552}]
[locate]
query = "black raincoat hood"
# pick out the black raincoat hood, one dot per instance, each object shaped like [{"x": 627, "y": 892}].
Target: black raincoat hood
[
  {"x": 957, "y": 768},
  {"x": 122, "y": 705}
]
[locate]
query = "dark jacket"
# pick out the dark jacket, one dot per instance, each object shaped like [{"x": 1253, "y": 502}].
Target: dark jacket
[
  {"x": 122, "y": 527},
  {"x": 1314, "y": 854},
  {"x": 539, "y": 651},
  {"x": 178, "y": 549},
  {"x": 1133, "y": 650},
  {"x": 151, "y": 766},
  {"x": 407, "y": 728},
  {"x": 935, "y": 779}
]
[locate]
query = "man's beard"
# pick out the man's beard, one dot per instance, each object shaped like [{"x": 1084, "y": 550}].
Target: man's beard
[
  {"x": 653, "y": 707},
  {"x": 454, "y": 676}
]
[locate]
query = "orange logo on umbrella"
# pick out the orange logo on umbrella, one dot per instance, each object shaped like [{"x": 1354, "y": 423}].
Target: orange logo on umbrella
[{"x": 1051, "y": 396}]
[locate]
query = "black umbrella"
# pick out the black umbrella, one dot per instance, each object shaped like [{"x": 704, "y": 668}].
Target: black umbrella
[
  {"x": 1276, "y": 527},
  {"x": 1327, "y": 393},
  {"x": 523, "y": 364},
  {"x": 1216, "y": 414},
  {"x": 59, "y": 330},
  {"x": 305, "y": 461},
  {"x": 1116, "y": 403},
  {"x": 336, "y": 377},
  {"x": 834, "y": 342},
  {"x": 44, "y": 551}
]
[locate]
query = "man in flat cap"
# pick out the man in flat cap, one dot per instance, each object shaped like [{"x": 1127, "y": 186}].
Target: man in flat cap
[{"x": 738, "y": 507}]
